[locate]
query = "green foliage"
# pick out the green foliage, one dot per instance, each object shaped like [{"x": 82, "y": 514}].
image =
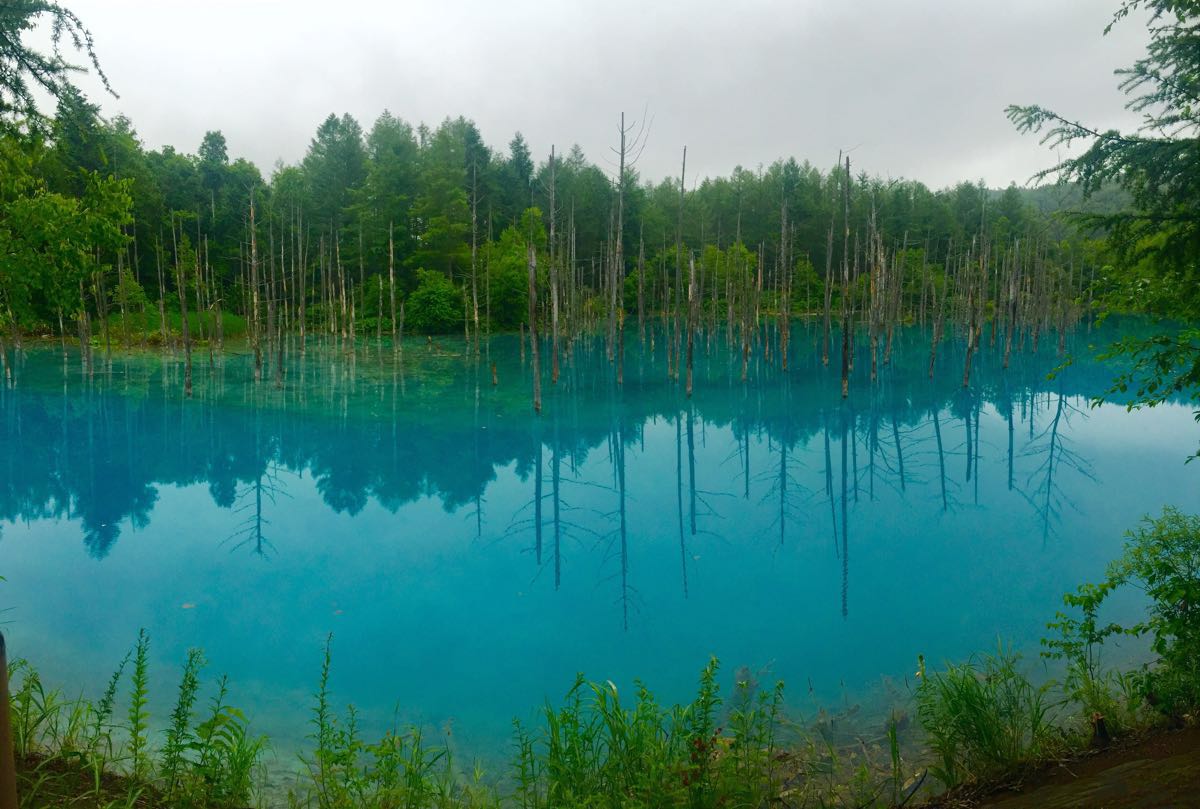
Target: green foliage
[
  {"x": 595, "y": 752},
  {"x": 407, "y": 198},
  {"x": 1161, "y": 558},
  {"x": 1079, "y": 643},
  {"x": 808, "y": 290},
  {"x": 441, "y": 212},
  {"x": 49, "y": 242},
  {"x": 68, "y": 745},
  {"x": 508, "y": 269},
  {"x": 435, "y": 306},
  {"x": 983, "y": 718},
  {"x": 178, "y": 733},
  {"x": 400, "y": 771},
  {"x": 129, "y": 293},
  {"x": 334, "y": 166},
  {"x": 1156, "y": 239},
  {"x": 139, "y": 720},
  {"x": 1161, "y": 367},
  {"x": 24, "y": 70},
  {"x": 226, "y": 756}
]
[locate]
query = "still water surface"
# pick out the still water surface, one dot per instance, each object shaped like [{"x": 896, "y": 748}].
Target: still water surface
[{"x": 470, "y": 558}]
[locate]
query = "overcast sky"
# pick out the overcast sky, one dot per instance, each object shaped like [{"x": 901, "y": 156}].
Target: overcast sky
[{"x": 917, "y": 89}]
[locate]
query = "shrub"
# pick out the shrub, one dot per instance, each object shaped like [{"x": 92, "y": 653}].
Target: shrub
[
  {"x": 435, "y": 306},
  {"x": 1162, "y": 558}
]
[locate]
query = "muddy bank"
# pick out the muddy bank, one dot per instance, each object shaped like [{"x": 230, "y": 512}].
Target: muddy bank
[{"x": 1158, "y": 770}]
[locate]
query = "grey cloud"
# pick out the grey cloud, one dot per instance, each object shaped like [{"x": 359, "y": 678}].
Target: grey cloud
[{"x": 917, "y": 88}]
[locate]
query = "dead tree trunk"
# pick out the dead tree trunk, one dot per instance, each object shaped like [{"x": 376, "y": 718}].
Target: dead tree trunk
[
  {"x": 846, "y": 284},
  {"x": 641, "y": 303},
  {"x": 829, "y": 270},
  {"x": 255, "y": 337},
  {"x": 181, "y": 281},
  {"x": 533, "y": 338},
  {"x": 392, "y": 282},
  {"x": 474, "y": 251},
  {"x": 553, "y": 279},
  {"x": 691, "y": 321},
  {"x": 617, "y": 271},
  {"x": 674, "y": 346}
]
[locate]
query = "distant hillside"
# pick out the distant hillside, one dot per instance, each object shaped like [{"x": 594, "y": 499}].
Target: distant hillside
[
  {"x": 1069, "y": 197},
  {"x": 1051, "y": 199}
]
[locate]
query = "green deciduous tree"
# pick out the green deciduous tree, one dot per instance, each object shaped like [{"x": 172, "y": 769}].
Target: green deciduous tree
[
  {"x": 435, "y": 306},
  {"x": 508, "y": 269}
]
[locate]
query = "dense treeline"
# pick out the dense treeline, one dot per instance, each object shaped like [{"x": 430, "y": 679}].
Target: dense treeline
[{"x": 367, "y": 216}]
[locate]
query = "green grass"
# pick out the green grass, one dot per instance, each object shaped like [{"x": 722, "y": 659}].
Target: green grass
[
  {"x": 146, "y": 327},
  {"x": 984, "y": 718}
]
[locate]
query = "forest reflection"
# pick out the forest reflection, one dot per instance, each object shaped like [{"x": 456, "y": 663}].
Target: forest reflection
[{"x": 369, "y": 423}]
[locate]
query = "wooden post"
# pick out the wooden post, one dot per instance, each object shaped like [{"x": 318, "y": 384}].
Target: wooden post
[{"x": 8, "y": 767}]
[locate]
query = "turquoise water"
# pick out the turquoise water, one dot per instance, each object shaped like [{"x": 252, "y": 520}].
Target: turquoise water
[{"x": 469, "y": 558}]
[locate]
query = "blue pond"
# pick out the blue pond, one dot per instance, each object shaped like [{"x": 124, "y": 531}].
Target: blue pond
[{"x": 470, "y": 558}]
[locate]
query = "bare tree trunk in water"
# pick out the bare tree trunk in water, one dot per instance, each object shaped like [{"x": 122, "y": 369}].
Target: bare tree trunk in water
[
  {"x": 269, "y": 284},
  {"x": 617, "y": 274},
  {"x": 939, "y": 311},
  {"x": 275, "y": 317},
  {"x": 474, "y": 249},
  {"x": 553, "y": 281},
  {"x": 674, "y": 345},
  {"x": 181, "y": 280},
  {"x": 846, "y": 284},
  {"x": 1014, "y": 277},
  {"x": 302, "y": 281},
  {"x": 4, "y": 360},
  {"x": 829, "y": 273},
  {"x": 533, "y": 340},
  {"x": 392, "y": 282},
  {"x": 121, "y": 302},
  {"x": 62, "y": 335},
  {"x": 162, "y": 294},
  {"x": 642, "y": 287},
  {"x": 691, "y": 321},
  {"x": 785, "y": 314},
  {"x": 255, "y": 337},
  {"x": 972, "y": 327},
  {"x": 85, "y": 333}
]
